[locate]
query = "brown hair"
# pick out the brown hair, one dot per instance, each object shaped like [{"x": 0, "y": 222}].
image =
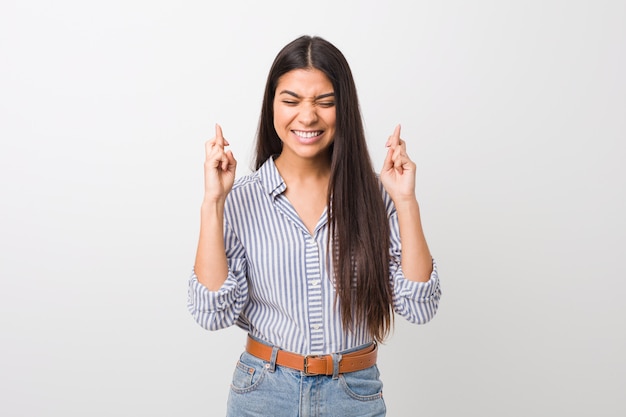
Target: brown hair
[{"x": 359, "y": 228}]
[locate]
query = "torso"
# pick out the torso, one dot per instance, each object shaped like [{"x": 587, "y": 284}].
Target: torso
[
  {"x": 307, "y": 194},
  {"x": 309, "y": 202}
]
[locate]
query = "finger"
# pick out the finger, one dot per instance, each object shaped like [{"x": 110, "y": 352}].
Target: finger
[
  {"x": 211, "y": 143},
  {"x": 396, "y": 132},
  {"x": 217, "y": 140},
  {"x": 394, "y": 139},
  {"x": 224, "y": 162},
  {"x": 399, "y": 159},
  {"x": 215, "y": 154},
  {"x": 399, "y": 165},
  {"x": 219, "y": 136},
  {"x": 400, "y": 151},
  {"x": 231, "y": 159},
  {"x": 228, "y": 162}
]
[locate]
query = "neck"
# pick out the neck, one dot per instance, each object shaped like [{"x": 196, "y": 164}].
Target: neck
[{"x": 303, "y": 169}]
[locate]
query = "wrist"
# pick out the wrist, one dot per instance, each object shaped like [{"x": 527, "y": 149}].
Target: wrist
[
  {"x": 406, "y": 203},
  {"x": 210, "y": 206}
]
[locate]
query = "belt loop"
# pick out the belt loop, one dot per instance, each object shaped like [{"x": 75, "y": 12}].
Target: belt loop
[
  {"x": 336, "y": 361},
  {"x": 272, "y": 364}
]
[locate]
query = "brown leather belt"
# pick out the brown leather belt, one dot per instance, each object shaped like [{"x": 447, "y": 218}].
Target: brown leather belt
[{"x": 316, "y": 364}]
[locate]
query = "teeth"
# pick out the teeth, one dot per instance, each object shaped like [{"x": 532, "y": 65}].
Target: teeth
[{"x": 307, "y": 135}]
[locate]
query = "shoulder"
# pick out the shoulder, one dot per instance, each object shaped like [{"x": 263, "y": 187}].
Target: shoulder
[
  {"x": 250, "y": 180},
  {"x": 245, "y": 194},
  {"x": 245, "y": 188},
  {"x": 264, "y": 179}
]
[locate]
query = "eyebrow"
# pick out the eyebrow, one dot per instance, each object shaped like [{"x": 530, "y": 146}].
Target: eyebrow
[{"x": 321, "y": 96}]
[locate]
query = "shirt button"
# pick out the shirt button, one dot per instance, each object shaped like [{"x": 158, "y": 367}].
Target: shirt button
[
  {"x": 315, "y": 282},
  {"x": 316, "y": 327}
]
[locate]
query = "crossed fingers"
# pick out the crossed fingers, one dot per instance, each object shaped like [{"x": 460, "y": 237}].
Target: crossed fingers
[
  {"x": 215, "y": 153},
  {"x": 397, "y": 157}
]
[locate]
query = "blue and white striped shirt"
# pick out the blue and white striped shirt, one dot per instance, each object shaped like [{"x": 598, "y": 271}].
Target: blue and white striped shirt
[{"x": 279, "y": 286}]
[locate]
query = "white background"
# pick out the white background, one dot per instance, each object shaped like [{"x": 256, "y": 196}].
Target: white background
[{"x": 515, "y": 113}]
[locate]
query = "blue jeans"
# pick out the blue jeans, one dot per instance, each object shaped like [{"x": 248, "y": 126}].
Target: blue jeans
[{"x": 264, "y": 389}]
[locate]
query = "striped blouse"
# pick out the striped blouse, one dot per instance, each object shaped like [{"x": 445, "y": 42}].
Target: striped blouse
[{"x": 279, "y": 286}]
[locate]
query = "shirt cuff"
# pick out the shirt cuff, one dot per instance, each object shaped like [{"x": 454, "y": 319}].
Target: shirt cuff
[
  {"x": 416, "y": 290},
  {"x": 202, "y": 299}
]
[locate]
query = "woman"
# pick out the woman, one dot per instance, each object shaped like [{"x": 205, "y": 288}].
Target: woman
[{"x": 304, "y": 253}]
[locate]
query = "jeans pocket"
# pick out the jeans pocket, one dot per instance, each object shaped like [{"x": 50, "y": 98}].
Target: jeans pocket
[
  {"x": 248, "y": 374},
  {"x": 364, "y": 385}
]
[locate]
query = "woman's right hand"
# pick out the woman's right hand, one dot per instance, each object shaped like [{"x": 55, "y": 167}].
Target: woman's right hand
[{"x": 219, "y": 168}]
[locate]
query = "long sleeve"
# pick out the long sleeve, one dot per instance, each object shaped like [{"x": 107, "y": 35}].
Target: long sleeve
[
  {"x": 279, "y": 286},
  {"x": 219, "y": 309},
  {"x": 415, "y": 301}
]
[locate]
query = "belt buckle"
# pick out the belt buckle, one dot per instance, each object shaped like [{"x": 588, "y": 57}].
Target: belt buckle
[{"x": 306, "y": 365}]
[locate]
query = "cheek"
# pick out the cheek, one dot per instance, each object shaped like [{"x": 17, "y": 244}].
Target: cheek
[
  {"x": 331, "y": 119},
  {"x": 280, "y": 116},
  {"x": 277, "y": 119}
]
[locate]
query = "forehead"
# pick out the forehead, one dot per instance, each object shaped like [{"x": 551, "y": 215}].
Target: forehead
[{"x": 305, "y": 82}]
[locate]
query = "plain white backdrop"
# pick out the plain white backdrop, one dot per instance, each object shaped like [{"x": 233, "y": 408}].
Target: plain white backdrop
[{"x": 515, "y": 113}]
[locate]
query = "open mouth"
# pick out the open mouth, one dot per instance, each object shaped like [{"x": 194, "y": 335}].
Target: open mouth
[{"x": 308, "y": 134}]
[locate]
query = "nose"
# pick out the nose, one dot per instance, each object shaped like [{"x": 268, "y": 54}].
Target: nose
[{"x": 307, "y": 114}]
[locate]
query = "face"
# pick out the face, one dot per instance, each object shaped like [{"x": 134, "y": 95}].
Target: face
[{"x": 304, "y": 114}]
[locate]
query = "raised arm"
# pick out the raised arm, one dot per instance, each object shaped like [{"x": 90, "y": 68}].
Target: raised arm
[
  {"x": 211, "y": 266},
  {"x": 398, "y": 178}
]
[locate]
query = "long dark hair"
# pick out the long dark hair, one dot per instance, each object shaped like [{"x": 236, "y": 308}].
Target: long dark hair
[{"x": 359, "y": 228}]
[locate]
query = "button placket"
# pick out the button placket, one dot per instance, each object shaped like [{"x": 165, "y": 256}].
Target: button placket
[{"x": 314, "y": 295}]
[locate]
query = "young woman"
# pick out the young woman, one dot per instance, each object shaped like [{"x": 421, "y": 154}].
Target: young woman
[{"x": 313, "y": 252}]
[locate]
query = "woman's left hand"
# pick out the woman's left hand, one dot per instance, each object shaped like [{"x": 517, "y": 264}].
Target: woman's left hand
[{"x": 398, "y": 172}]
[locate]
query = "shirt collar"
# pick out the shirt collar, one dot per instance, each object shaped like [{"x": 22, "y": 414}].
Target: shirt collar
[{"x": 271, "y": 181}]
